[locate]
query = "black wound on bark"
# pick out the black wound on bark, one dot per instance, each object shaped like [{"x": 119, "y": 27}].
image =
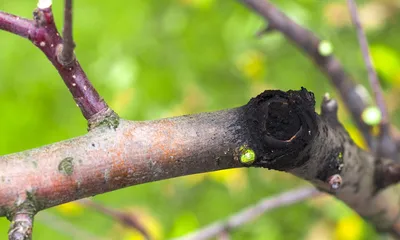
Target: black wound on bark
[
  {"x": 291, "y": 137},
  {"x": 286, "y": 123}
]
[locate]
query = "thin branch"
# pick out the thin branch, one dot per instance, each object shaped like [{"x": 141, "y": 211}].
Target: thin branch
[
  {"x": 128, "y": 219},
  {"x": 224, "y": 236},
  {"x": 43, "y": 34},
  {"x": 251, "y": 213},
  {"x": 387, "y": 147},
  {"x": 329, "y": 65},
  {"x": 21, "y": 225},
  {"x": 66, "y": 228},
  {"x": 372, "y": 76},
  {"x": 67, "y": 56},
  {"x": 17, "y": 25}
]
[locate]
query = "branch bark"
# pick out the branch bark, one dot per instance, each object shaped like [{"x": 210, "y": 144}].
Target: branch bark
[
  {"x": 280, "y": 128},
  {"x": 66, "y": 55},
  {"x": 276, "y": 130},
  {"x": 329, "y": 65}
]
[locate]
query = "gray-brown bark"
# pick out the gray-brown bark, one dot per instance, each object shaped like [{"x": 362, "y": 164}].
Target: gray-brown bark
[{"x": 281, "y": 128}]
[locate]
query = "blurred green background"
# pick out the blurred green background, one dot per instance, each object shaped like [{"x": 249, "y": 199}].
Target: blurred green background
[{"x": 154, "y": 59}]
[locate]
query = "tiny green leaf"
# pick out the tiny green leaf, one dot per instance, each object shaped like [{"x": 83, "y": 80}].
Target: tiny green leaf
[
  {"x": 248, "y": 156},
  {"x": 371, "y": 116},
  {"x": 325, "y": 48}
]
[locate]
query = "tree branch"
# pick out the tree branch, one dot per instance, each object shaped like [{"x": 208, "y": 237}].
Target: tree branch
[
  {"x": 123, "y": 217},
  {"x": 280, "y": 129},
  {"x": 251, "y": 213},
  {"x": 42, "y": 32},
  {"x": 22, "y": 222},
  {"x": 387, "y": 146},
  {"x": 329, "y": 65},
  {"x": 16, "y": 25},
  {"x": 276, "y": 130},
  {"x": 67, "y": 56},
  {"x": 66, "y": 228}
]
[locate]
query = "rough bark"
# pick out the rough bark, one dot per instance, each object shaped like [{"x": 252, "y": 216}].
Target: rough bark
[{"x": 281, "y": 128}]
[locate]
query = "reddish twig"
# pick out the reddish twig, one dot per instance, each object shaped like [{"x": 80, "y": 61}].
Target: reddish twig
[
  {"x": 43, "y": 34},
  {"x": 387, "y": 147},
  {"x": 309, "y": 43},
  {"x": 125, "y": 218},
  {"x": 66, "y": 56},
  {"x": 17, "y": 25},
  {"x": 249, "y": 214}
]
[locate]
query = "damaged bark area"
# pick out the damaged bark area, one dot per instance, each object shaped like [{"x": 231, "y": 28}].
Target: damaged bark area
[
  {"x": 294, "y": 139},
  {"x": 276, "y": 130}
]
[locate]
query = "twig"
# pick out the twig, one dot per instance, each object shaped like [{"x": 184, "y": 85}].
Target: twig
[
  {"x": 62, "y": 226},
  {"x": 17, "y": 25},
  {"x": 224, "y": 236},
  {"x": 309, "y": 43},
  {"x": 251, "y": 213},
  {"x": 387, "y": 147},
  {"x": 67, "y": 54},
  {"x": 21, "y": 225},
  {"x": 129, "y": 220},
  {"x": 43, "y": 34}
]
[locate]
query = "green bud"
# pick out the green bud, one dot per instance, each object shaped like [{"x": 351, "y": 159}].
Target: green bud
[
  {"x": 371, "y": 116},
  {"x": 325, "y": 48},
  {"x": 248, "y": 156}
]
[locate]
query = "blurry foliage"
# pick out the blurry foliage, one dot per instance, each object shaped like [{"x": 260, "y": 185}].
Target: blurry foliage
[{"x": 152, "y": 59}]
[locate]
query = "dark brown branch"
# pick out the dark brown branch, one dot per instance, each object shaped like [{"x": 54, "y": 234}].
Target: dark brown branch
[
  {"x": 43, "y": 34},
  {"x": 251, "y": 213},
  {"x": 329, "y": 65},
  {"x": 387, "y": 147},
  {"x": 67, "y": 56},
  {"x": 125, "y": 218}
]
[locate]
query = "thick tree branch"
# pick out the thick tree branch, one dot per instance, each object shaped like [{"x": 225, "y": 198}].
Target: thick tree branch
[
  {"x": 277, "y": 130},
  {"x": 329, "y": 65},
  {"x": 251, "y": 213},
  {"x": 280, "y": 130}
]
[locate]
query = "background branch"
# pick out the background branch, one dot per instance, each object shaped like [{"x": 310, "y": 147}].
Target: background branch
[
  {"x": 387, "y": 147},
  {"x": 59, "y": 224},
  {"x": 251, "y": 213},
  {"x": 126, "y": 218}
]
